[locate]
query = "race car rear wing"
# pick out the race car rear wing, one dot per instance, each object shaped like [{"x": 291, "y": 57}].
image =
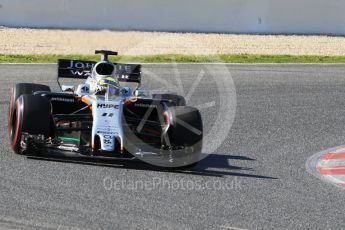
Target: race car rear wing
[{"x": 76, "y": 69}]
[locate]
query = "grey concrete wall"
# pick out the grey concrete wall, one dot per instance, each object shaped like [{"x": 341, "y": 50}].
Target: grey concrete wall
[{"x": 235, "y": 16}]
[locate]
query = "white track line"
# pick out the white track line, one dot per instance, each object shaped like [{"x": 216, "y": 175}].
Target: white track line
[{"x": 233, "y": 228}]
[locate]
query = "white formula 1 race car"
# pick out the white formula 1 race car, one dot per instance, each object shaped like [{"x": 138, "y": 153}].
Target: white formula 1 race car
[{"x": 104, "y": 117}]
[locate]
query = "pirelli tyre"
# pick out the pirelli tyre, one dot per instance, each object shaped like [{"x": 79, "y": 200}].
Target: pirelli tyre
[
  {"x": 180, "y": 143},
  {"x": 31, "y": 115},
  {"x": 19, "y": 89},
  {"x": 179, "y": 100},
  {"x": 185, "y": 135}
]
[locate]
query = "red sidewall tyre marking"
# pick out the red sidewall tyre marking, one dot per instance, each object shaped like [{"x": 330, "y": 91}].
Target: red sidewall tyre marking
[
  {"x": 16, "y": 134},
  {"x": 10, "y": 113}
]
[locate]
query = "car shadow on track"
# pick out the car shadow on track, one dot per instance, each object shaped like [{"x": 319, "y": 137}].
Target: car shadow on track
[
  {"x": 220, "y": 165},
  {"x": 214, "y": 165}
]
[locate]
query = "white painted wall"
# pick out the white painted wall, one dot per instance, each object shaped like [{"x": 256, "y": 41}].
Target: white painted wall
[{"x": 236, "y": 16}]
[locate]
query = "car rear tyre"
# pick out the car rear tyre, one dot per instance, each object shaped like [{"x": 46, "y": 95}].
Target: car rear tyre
[{"x": 32, "y": 115}]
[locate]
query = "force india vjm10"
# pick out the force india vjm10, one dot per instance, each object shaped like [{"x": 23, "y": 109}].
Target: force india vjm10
[{"x": 104, "y": 117}]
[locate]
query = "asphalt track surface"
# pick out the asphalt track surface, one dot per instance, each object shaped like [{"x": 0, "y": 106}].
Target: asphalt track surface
[{"x": 284, "y": 114}]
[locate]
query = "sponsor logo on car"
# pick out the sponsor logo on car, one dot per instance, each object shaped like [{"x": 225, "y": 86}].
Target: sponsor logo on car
[
  {"x": 81, "y": 65},
  {"x": 107, "y": 106},
  {"x": 106, "y": 132},
  {"x": 61, "y": 99},
  {"x": 145, "y": 105}
]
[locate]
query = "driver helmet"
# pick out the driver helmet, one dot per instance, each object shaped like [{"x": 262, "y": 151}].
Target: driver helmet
[{"x": 107, "y": 82}]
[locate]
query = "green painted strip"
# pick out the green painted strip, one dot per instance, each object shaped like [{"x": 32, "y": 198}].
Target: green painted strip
[{"x": 69, "y": 139}]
